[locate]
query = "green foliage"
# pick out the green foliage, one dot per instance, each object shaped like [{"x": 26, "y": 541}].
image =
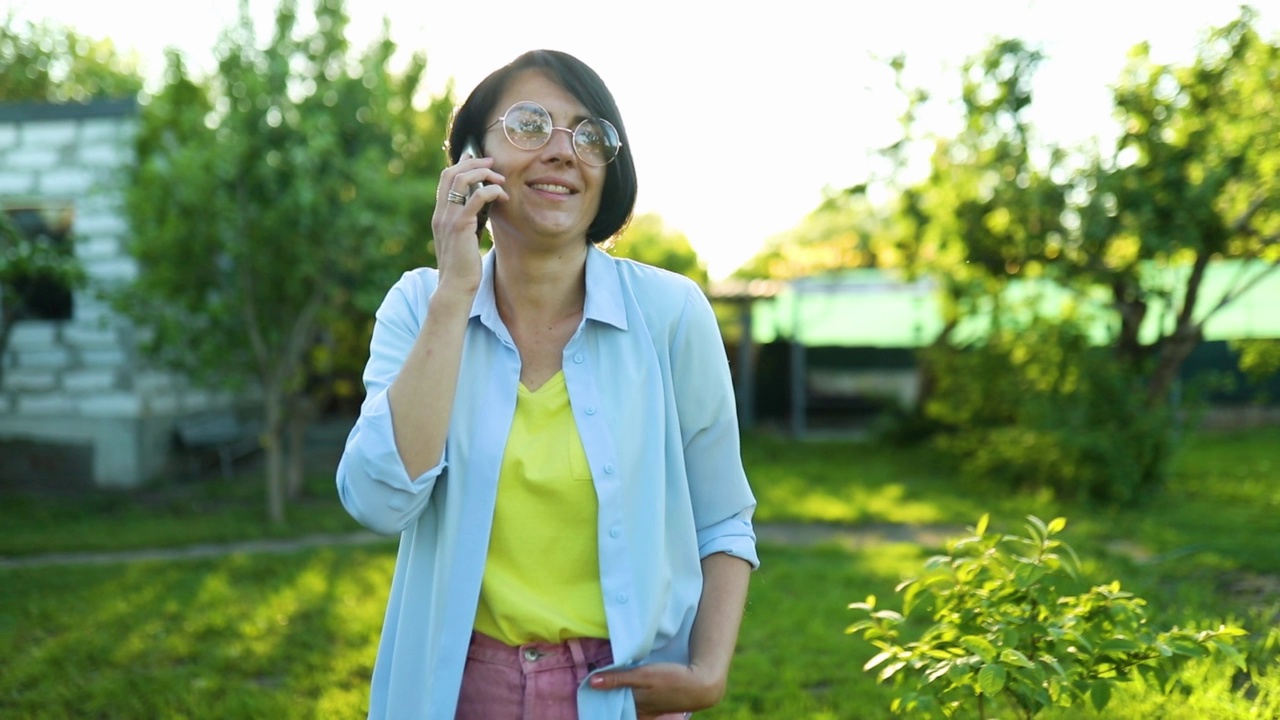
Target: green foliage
[
  {"x": 49, "y": 62},
  {"x": 272, "y": 206},
  {"x": 1006, "y": 625},
  {"x": 25, "y": 260},
  {"x": 1040, "y": 408},
  {"x": 1259, "y": 359},
  {"x": 648, "y": 240}
]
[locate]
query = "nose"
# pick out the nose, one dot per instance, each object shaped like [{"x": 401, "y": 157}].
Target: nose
[{"x": 560, "y": 146}]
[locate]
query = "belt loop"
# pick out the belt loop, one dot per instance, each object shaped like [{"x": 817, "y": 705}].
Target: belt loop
[{"x": 579, "y": 659}]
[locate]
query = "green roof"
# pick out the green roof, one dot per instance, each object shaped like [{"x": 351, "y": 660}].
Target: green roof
[{"x": 878, "y": 308}]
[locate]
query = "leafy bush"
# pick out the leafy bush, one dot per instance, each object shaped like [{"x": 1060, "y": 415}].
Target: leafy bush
[
  {"x": 1040, "y": 407},
  {"x": 1005, "y": 624}
]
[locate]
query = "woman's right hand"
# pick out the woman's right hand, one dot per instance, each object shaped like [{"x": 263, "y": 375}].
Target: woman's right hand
[{"x": 454, "y": 225}]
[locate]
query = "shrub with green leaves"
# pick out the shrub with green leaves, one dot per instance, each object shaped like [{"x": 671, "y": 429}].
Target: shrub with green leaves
[
  {"x": 1003, "y": 623},
  {"x": 1037, "y": 406}
]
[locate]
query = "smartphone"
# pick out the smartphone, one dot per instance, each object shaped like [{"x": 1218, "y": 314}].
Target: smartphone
[{"x": 472, "y": 149}]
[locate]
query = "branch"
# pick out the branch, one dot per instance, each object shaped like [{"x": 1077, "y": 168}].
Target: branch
[
  {"x": 1234, "y": 294},
  {"x": 1247, "y": 216},
  {"x": 1193, "y": 290},
  {"x": 298, "y": 335}
]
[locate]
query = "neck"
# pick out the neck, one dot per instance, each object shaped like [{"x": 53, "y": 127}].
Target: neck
[{"x": 539, "y": 286}]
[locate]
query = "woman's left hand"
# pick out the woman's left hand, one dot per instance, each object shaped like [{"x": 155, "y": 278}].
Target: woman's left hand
[{"x": 663, "y": 688}]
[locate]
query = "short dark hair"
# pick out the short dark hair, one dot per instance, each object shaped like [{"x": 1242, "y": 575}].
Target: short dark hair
[{"x": 469, "y": 123}]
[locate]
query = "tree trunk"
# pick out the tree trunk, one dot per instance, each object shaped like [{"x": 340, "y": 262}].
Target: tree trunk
[
  {"x": 1133, "y": 310},
  {"x": 298, "y": 421},
  {"x": 273, "y": 446},
  {"x": 1174, "y": 351}
]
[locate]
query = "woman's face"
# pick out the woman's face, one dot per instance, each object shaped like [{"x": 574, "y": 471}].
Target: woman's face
[{"x": 553, "y": 195}]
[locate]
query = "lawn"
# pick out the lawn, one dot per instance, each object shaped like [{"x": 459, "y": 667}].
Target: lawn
[{"x": 294, "y": 635}]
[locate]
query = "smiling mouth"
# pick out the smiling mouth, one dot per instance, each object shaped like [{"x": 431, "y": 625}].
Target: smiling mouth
[{"x": 552, "y": 188}]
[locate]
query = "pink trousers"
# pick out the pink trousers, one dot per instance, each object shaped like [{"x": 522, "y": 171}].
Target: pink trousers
[{"x": 537, "y": 681}]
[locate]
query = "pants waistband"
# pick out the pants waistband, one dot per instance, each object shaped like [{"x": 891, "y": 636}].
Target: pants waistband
[{"x": 588, "y": 653}]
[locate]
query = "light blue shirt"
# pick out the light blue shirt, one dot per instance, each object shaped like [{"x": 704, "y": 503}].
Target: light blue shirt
[{"x": 649, "y": 387}]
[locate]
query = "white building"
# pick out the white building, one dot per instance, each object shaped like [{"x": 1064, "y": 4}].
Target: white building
[{"x": 75, "y": 398}]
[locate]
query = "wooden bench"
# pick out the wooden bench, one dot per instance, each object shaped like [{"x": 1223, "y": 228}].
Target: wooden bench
[{"x": 219, "y": 431}]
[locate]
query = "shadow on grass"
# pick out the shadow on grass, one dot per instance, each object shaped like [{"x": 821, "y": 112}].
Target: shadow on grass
[{"x": 267, "y": 636}]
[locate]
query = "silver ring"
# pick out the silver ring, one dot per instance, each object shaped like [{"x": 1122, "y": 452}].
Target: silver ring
[{"x": 457, "y": 197}]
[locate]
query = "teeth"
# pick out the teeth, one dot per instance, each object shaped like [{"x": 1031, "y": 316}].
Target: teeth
[{"x": 547, "y": 187}]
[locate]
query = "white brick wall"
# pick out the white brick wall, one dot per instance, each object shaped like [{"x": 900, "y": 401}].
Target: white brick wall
[
  {"x": 55, "y": 359},
  {"x": 103, "y": 358},
  {"x": 112, "y": 405},
  {"x": 112, "y": 269},
  {"x": 66, "y": 182},
  {"x": 33, "y": 335},
  {"x": 90, "y": 336},
  {"x": 109, "y": 155},
  {"x": 30, "y": 380},
  {"x": 51, "y": 404},
  {"x": 16, "y": 183},
  {"x": 100, "y": 222},
  {"x": 97, "y": 248},
  {"x": 50, "y": 132},
  {"x": 28, "y": 158},
  {"x": 87, "y": 381}
]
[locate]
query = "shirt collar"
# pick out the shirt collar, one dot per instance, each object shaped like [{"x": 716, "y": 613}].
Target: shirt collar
[{"x": 604, "y": 292}]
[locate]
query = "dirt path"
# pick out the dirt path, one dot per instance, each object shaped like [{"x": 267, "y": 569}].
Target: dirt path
[{"x": 802, "y": 534}]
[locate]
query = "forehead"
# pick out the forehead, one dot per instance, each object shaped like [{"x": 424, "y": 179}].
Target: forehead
[{"x": 541, "y": 88}]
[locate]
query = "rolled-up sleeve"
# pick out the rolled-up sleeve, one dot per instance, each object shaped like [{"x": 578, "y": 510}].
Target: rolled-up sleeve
[
  {"x": 373, "y": 484},
  {"x": 721, "y": 496}
]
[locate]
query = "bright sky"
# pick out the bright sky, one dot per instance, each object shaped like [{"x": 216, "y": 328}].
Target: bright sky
[{"x": 739, "y": 118}]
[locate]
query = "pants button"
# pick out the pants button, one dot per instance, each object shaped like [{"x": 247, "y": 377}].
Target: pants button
[{"x": 532, "y": 654}]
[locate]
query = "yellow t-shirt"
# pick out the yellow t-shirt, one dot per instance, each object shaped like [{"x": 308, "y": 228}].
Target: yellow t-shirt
[{"x": 542, "y": 577}]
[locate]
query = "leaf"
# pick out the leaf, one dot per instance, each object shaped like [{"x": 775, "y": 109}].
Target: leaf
[
  {"x": 877, "y": 659},
  {"x": 1119, "y": 645},
  {"x": 887, "y": 615},
  {"x": 991, "y": 678},
  {"x": 1056, "y": 525},
  {"x": 1100, "y": 694},
  {"x": 938, "y": 671},
  {"x": 979, "y": 646},
  {"x": 981, "y": 529},
  {"x": 1009, "y": 656},
  {"x": 889, "y": 670}
]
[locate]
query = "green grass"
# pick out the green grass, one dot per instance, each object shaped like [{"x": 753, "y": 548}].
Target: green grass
[
  {"x": 212, "y": 510},
  {"x": 295, "y": 635}
]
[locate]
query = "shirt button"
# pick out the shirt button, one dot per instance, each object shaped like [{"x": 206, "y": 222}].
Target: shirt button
[
  {"x": 577, "y": 358},
  {"x": 608, "y": 468},
  {"x": 591, "y": 410},
  {"x": 615, "y": 531},
  {"x": 623, "y": 598}
]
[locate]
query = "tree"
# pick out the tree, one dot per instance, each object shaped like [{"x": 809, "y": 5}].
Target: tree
[
  {"x": 48, "y": 62},
  {"x": 1193, "y": 178},
  {"x": 648, "y": 240},
  {"x": 272, "y": 206},
  {"x": 841, "y": 233}
]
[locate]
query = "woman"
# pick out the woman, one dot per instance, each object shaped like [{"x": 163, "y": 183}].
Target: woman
[{"x": 552, "y": 432}]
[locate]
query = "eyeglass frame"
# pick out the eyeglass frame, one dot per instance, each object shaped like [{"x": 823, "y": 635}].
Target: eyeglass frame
[{"x": 572, "y": 132}]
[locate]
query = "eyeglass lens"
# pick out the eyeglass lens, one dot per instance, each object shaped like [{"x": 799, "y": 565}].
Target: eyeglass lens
[{"x": 528, "y": 125}]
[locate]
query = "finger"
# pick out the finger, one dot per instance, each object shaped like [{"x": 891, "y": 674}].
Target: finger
[
  {"x": 470, "y": 178},
  {"x": 638, "y": 678},
  {"x": 448, "y": 175}
]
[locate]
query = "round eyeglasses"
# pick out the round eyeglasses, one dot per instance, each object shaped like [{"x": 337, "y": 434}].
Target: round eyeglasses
[{"x": 528, "y": 126}]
